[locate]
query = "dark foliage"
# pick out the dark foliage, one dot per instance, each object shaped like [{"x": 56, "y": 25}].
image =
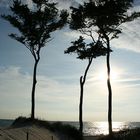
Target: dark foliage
[
  {"x": 102, "y": 17},
  {"x": 35, "y": 26},
  {"x": 87, "y": 51},
  {"x": 106, "y": 15},
  {"x": 126, "y": 134}
]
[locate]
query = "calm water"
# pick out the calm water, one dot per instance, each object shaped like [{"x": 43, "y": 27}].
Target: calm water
[
  {"x": 91, "y": 128},
  {"x": 97, "y": 128},
  {"x": 5, "y": 123}
]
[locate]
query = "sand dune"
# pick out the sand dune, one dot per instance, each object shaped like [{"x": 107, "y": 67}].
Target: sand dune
[
  {"x": 32, "y": 133},
  {"x": 27, "y": 133}
]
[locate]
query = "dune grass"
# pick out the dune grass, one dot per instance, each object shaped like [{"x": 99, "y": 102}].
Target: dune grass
[{"x": 63, "y": 131}]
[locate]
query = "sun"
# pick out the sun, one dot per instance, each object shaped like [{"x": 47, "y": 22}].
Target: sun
[{"x": 114, "y": 75}]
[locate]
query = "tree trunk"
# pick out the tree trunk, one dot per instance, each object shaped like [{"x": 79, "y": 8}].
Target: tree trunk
[
  {"x": 33, "y": 90},
  {"x": 82, "y": 82},
  {"x": 81, "y": 106},
  {"x": 109, "y": 89}
]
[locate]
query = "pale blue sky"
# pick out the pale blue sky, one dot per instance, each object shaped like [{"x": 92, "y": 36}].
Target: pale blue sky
[{"x": 57, "y": 95}]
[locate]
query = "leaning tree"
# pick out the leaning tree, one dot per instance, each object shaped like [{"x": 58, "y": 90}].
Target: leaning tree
[
  {"x": 35, "y": 25},
  {"x": 103, "y": 17},
  {"x": 86, "y": 51}
]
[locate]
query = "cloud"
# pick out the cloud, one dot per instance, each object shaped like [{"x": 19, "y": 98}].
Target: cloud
[
  {"x": 57, "y": 98},
  {"x": 136, "y": 2},
  {"x": 5, "y": 3},
  {"x": 14, "y": 81},
  {"x": 15, "y": 93},
  {"x": 66, "y": 4},
  {"x": 121, "y": 78},
  {"x": 29, "y": 2},
  {"x": 130, "y": 38}
]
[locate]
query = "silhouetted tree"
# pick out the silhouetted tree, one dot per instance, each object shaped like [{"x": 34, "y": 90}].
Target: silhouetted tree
[
  {"x": 35, "y": 25},
  {"x": 103, "y": 17},
  {"x": 88, "y": 52}
]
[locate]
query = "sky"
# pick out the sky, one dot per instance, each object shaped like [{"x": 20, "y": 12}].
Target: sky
[{"x": 57, "y": 91}]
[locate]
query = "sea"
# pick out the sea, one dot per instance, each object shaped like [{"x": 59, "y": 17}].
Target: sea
[{"x": 90, "y": 128}]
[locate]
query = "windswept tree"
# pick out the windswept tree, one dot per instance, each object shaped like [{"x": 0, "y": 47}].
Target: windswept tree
[
  {"x": 85, "y": 51},
  {"x": 35, "y": 25},
  {"x": 103, "y": 17}
]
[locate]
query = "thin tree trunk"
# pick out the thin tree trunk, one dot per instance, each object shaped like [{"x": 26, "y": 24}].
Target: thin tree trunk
[
  {"x": 81, "y": 106},
  {"x": 33, "y": 90},
  {"x": 109, "y": 89},
  {"x": 82, "y": 82}
]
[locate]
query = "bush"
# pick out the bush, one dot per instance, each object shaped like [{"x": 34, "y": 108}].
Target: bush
[{"x": 126, "y": 134}]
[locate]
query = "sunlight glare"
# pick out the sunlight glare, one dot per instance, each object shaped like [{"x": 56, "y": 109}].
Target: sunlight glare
[
  {"x": 103, "y": 127},
  {"x": 114, "y": 75}
]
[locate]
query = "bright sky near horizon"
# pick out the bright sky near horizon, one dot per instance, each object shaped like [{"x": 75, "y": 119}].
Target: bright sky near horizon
[{"x": 57, "y": 93}]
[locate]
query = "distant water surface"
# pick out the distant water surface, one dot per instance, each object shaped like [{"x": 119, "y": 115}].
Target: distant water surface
[
  {"x": 5, "y": 123},
  {"x": 90, "y": 128},
  {"x": 97, "y": 128}
]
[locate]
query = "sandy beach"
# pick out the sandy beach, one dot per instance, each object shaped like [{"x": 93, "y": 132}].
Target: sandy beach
[
  {"x": 27, "y": 133},
  {"x": 31, "y": 133},
  {"x": 35, "y": 132}
]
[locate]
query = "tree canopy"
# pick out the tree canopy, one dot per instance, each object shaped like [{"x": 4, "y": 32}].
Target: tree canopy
[
  {"x": 103, "y": 17},
  {"x": 35, "y": 25},
  {"x": 87, "y": 51},
  {"x": 106, "y": 15}
]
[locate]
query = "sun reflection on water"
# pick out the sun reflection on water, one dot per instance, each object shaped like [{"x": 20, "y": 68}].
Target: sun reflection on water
[
  {"x": 103, "y": 126},
  {"x": 98, "y": 128}
]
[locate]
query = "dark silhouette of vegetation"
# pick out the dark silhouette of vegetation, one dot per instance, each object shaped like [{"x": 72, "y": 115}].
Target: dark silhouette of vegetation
[
  {"x": 125, "y": 134},
  {"x": 88, "y": 52},
  {"x": 35, "y": 25},
  {"x": 103, "y": 17},
  {"x": 64, "y": 131}
]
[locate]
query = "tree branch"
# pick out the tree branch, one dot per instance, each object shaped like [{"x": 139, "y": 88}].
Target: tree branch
[{"x": 87, "y": 68}]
